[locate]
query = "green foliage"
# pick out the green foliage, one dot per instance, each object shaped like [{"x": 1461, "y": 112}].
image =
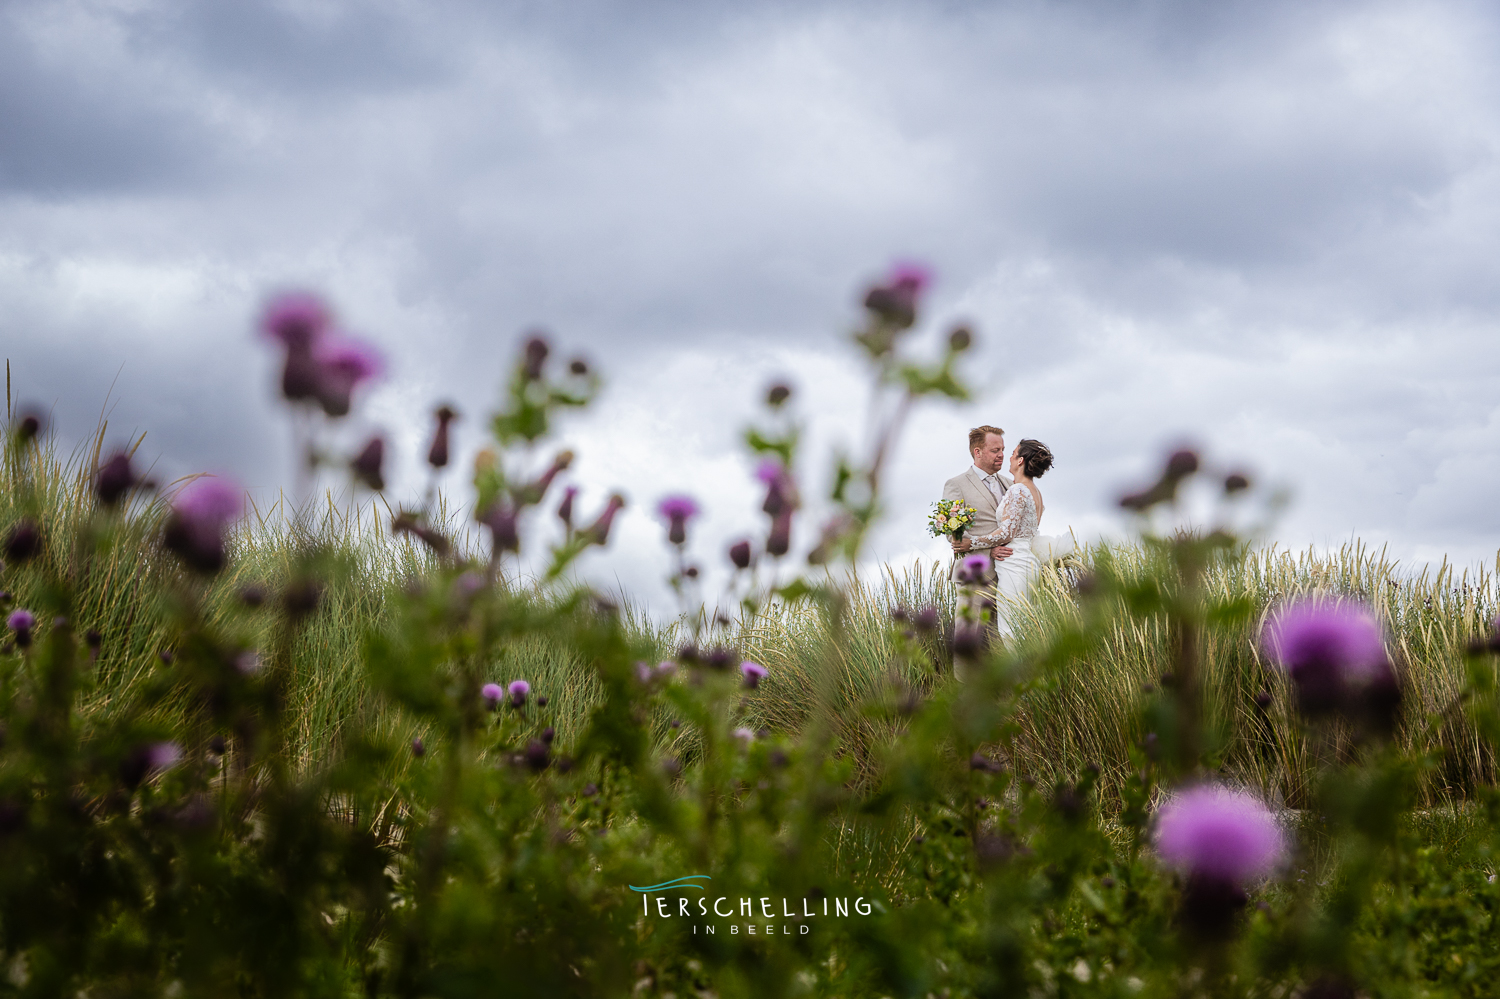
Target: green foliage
[{"x": 286, "y": 778}]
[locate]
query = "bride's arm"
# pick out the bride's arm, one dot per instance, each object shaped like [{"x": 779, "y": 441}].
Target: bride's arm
[{"x": 1009, "y": 517}]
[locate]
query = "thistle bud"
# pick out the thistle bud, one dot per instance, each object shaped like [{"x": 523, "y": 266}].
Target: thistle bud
[
  {"x": 437, "y": 454},
  {"x": 114, "y": 479},
  {"x": 23, "y": 542},
  {"x": 367, "y": 466},
  {"x": 536, "y": 355}
]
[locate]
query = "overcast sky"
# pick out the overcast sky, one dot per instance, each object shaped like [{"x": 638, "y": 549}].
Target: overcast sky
[{"x": 1271, "y": 228}]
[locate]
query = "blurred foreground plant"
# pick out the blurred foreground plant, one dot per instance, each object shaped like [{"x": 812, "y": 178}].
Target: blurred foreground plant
[{"x": 169, "y": 844}]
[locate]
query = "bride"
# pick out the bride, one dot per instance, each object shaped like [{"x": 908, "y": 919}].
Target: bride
[{"x": 1018, "y": 516}]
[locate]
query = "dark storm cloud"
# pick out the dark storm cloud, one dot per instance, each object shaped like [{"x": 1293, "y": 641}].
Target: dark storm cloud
[{"x": 69, "y": 127}]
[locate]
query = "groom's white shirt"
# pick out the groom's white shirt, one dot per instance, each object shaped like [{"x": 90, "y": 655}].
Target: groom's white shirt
[{"x": 992, "y": 481}]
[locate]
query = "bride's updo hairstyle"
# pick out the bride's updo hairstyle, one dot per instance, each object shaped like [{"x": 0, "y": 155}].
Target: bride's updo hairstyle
[{"x": 1036, "y": 456}]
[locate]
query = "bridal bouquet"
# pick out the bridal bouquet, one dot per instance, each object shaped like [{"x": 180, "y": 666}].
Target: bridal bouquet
[{"x": 950, "y": 517}]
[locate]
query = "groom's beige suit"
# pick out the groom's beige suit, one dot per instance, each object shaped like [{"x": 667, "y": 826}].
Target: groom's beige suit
[{"x": 970, "y": 488}]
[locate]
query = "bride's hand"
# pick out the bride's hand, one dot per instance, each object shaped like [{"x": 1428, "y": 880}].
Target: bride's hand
[{"x": 1000, "y": 553}]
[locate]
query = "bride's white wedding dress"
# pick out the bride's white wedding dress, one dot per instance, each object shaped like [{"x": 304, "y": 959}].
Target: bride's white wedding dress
[{"x": 1017, "y": 523}]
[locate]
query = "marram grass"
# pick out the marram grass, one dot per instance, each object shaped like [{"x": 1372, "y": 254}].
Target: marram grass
[{"x": 1088, "y": 713}]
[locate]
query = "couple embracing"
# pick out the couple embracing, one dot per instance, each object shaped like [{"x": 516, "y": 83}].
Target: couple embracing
[{"x": 994, "y": 561}]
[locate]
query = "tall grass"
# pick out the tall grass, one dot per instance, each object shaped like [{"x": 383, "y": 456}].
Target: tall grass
[{"x": 1089, "y": 713}]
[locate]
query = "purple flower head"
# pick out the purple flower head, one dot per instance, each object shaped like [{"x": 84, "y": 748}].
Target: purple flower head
[
  {"x": 21, "y": 620},
  {"x": 666, "y": 668},
  {"x": 739, "y": 554},
  {"x": 974, "y": 569},
  {"x": 344, "y": 363},
  {"x": 677, "y": 510},
  {"x": 643, "y": 672},
  {"x": 677, "y": 507},
  {"x": 1220, "y": 834},
  {"x": 160, "y": 755},
  {"x": 1328, "y": 648},
  {"x": 910, "y": 275},
  {"x": 753, "y": 673},
  {"x": 744, "y": 735},
  {"x": 210, "y": 500},
  {"x": 518, "y": 690},
  {"x": 201, "y": 512},
  {"x": 769, "y": 470},
  {"x": 895, "y": 302},
  {"x": 493, "y": 693},
  {"x": 296, "y": 319}
]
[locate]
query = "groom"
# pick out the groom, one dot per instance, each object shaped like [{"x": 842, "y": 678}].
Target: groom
[{"x": 980, "y": 487}]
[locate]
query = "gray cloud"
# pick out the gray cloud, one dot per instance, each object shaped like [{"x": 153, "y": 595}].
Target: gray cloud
[{"x": 1267, "y": 226}]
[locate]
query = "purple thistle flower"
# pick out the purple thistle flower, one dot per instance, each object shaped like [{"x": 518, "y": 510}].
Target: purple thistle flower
[
  {"x": 210, "y": 500},
  {"x": 201, "y": 512},
  {"x": 518, "y": 690},
  {"x": 493, "y": 693},
  {"x": 739, "y": 554},
  {"x": 744, "y": 735},
  {"x": 343, "y": 364},
  {"x": 145, "y": 760},
  {"x": 896, "y": 300},
  {"x": 974, "y": 569},
  {"x": 1216, "y": 833},
  {"x": 907, "y": 274},
  {"x": 161, "y": 755},
  {"x": 21, "y": 620},
  {"x": 1328, "y": 648},
  {"x": 768, "y": 470},
  {"x": 666, "y": 668},
  {"x": 677, "y": 510},
  {"x": 753, "y": 673},
  {"x": 296, "y": 319}
]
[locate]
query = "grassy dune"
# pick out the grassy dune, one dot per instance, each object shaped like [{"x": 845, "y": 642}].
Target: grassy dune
[{"x": 1088, "y": 713}]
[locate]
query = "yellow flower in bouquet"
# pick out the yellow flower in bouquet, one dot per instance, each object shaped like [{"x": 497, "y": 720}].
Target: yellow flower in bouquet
[{"x": 950, "y": 517}]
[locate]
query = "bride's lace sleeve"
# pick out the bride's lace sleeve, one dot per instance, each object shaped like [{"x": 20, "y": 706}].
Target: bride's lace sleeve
[{"x": 1010, "y": 518}]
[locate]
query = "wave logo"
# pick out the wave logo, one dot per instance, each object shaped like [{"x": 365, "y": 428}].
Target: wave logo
[{"x": 690, "y": 881}]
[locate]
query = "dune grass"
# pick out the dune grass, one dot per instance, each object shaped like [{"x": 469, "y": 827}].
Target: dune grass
[{"x": 1091, "y": 712}]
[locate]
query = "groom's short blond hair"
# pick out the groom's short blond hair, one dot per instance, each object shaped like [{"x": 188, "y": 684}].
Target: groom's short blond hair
[{"x": 978, "y": 434}]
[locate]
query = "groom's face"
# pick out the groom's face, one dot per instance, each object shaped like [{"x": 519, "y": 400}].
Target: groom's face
[{"x": 990, "y": 455}]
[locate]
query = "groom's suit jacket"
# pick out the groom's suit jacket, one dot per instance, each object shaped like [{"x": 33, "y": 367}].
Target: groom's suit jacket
[{"x": 970, "y": 488}]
